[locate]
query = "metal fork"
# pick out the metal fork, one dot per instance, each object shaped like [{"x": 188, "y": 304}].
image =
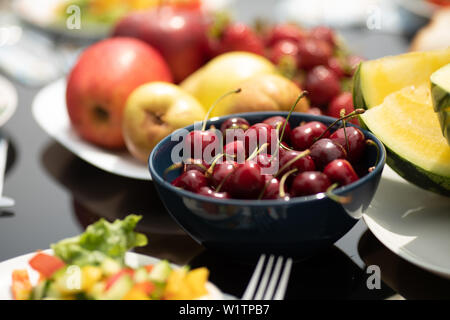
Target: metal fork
[{"x": 265, "y": 289}]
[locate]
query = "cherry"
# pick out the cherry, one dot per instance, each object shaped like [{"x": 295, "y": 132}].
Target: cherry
[
  {"x": 264, "y": 160},
  {"x": 246, "y": 181},
  {"x": 284, "y": 50},
  {"x": 234, "y": 123},
  {"x": 196, "y": 141},
  {"x": 207, "y": 191},
  {"x": 272, "y": 187},
  {"x": 235, "y": 148},
  {"x": 335, "y": 65},
  {"x": 313, "y": 52},
  {"x": 305, "y": 163},
  {"x": 303, "y": 136},
  {"x": 278, "y": 122},
  {"x": 221, "y": 173},
  {"x": 314, "y": 110},
  {"x": 195, "y": 164},
  {"x": 259, "y": 134},
  {"x": 340, "y": 171},
  {"x": 191, "y": 180},
  {"x": 356, "y": 142},
  {"x": 353, "y": 62},
  {"x": 309, "y": 182},
  {"x": 323, "y": 33},
  {"x": 322, "y": 85},
  {"x": 324, "y": 151},
  {"x": 342, "y": 101}
]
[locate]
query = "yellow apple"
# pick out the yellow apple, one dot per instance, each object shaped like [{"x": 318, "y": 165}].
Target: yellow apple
[
  {"x": 153, "y": 111},
  {"x": 269, "y": 92},
  {"x": 223, "y": 74}
]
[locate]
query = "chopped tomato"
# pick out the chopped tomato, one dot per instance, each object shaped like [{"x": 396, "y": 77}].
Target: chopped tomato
[
  {"x": 111, "y": 280},
  {"x": 147, "y": 287},
  {"x": 21, "y": 285},
  {"x": 46, "y": 264}
]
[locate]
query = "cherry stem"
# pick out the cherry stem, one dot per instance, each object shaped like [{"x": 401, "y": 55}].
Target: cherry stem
[
  {"x": 171, "y": 168},
  {"x": 350, "y": 115},
  {"x": 339, "y": 199},
  {"x": 215, "y": 104},
  {"x": 258, "y": 151},
  {"x": 224, "y": 179},
  {"x": 290, "y": 162},
  {"x": 303, "y": 94},
  {"x": 373, "y": 143},
  {"x": 283, "y": 181},
  {"x": 344, "y": 126},
  {"x": 210, "y": 170}
]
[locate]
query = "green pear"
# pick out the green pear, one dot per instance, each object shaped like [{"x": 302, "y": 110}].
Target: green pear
[{"x": 223, "y": 74}]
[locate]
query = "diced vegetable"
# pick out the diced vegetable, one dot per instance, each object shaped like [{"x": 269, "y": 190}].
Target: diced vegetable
[
  {"x": 46, "y": 264},
  {"x": 21, "y": 285}
]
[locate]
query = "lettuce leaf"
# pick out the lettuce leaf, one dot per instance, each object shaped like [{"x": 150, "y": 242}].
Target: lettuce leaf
[{"x": 101, "y": 240}]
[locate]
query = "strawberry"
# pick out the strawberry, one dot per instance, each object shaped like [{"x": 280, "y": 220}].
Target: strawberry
[{"x": 237, "y": 37}]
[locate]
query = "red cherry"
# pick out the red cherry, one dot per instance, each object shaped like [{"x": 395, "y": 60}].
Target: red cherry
[
  {"x": 246, "y": 182},
  {"x": 284, "y": 49},
  {"x": 312, "y": 52},
  {"x": 196, "y": 141},
  {"x": 322, "y": 85},
  {"x": 340, "y": 171},
  {"x": 240, "y": 37},
  {"x": 342, "y": 101},
  {"x": 207, "y": 191},
  {"x": 353, "y": 62},
  {"x": 356, "y": 142},
  {"x": 314, "y": 110},
  {"x": 235, "y": 148},
  {"x": 305, "y": 163},
  {"x": 222, "y": 171},
  {"x": 191, "y": 180},
  {"x": 310, "y": 182},
  {"x": 234, "y": 123},
  {"x": 272, "y": 190},
  {"x": 285, "y": 31},
  {"x": 259, "y": 134},
  {"x": 334, "y": 64},
  {"x": 278, "y": 121},
  {"x": 265, "y": 160},
  {"x": 195, "y": 164},
  {"x": 324, "y": 151},
  {"x": 302, "y": 137},
  {"x": 323, "y": 33}
]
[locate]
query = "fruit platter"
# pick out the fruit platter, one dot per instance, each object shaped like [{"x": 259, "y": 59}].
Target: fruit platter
[{"x": 248, "y": 140}]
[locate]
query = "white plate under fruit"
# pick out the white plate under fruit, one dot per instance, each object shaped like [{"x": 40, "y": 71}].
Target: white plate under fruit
[
  {"x": 412, "y": 222},
  {"x": 50, "y": 112},
  {"x": 8, "y": 100},
  {"x": 132, "y": 259}
]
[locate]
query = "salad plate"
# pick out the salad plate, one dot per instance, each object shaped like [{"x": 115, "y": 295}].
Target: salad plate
[
  {"x": 8, "y": 100},
  {"x": 411, "y": 222},
  {"x": 132, "y": 259},
  {"x": 50, "y": 112}
]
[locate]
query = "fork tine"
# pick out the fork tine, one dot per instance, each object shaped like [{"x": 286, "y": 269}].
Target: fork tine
[
  {"x": 251, "y": 287},
  {"x": 279, "y": 295},
  {"x": 274, "y": 279},
  {"x": 265, "y": 278}
]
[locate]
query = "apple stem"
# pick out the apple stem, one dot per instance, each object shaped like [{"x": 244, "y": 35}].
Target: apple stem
[
  {"x": 350, "y": 115},
  {"x": 290, "y": 162},
  {"x": 339, "y": 199},
  {"x": 215, "y": 104},
  {"x": 283, "y": 181}
]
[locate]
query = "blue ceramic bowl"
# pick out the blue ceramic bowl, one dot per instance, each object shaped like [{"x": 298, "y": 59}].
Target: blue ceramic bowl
[{"x": 297, "y": 227}]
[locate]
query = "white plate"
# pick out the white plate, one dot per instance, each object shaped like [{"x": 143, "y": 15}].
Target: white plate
[
  {"x": 132, "y": 259},
  {"x": 42, "y": 14},
  {"x": 8, "y": 100},
  {"x": 412, "y": 223},
  {"x": 50, "y": 112}
]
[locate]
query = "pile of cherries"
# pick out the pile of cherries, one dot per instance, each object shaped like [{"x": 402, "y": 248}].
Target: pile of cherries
[{"x": 310, "y": 159}]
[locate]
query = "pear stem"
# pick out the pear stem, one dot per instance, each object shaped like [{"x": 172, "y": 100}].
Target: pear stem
[{"x": 215, "y": 104}]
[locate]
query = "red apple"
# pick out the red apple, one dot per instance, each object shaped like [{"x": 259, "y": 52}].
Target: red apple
[
  {"x": 179, "y": 34},
  {"x": 99, "y": 84}
]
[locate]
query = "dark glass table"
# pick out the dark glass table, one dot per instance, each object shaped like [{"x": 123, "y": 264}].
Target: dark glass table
[{"x": 57, "y": 195}]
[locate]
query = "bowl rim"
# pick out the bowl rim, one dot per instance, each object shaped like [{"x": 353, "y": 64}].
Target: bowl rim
[{"x": 272, "y": 202}]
